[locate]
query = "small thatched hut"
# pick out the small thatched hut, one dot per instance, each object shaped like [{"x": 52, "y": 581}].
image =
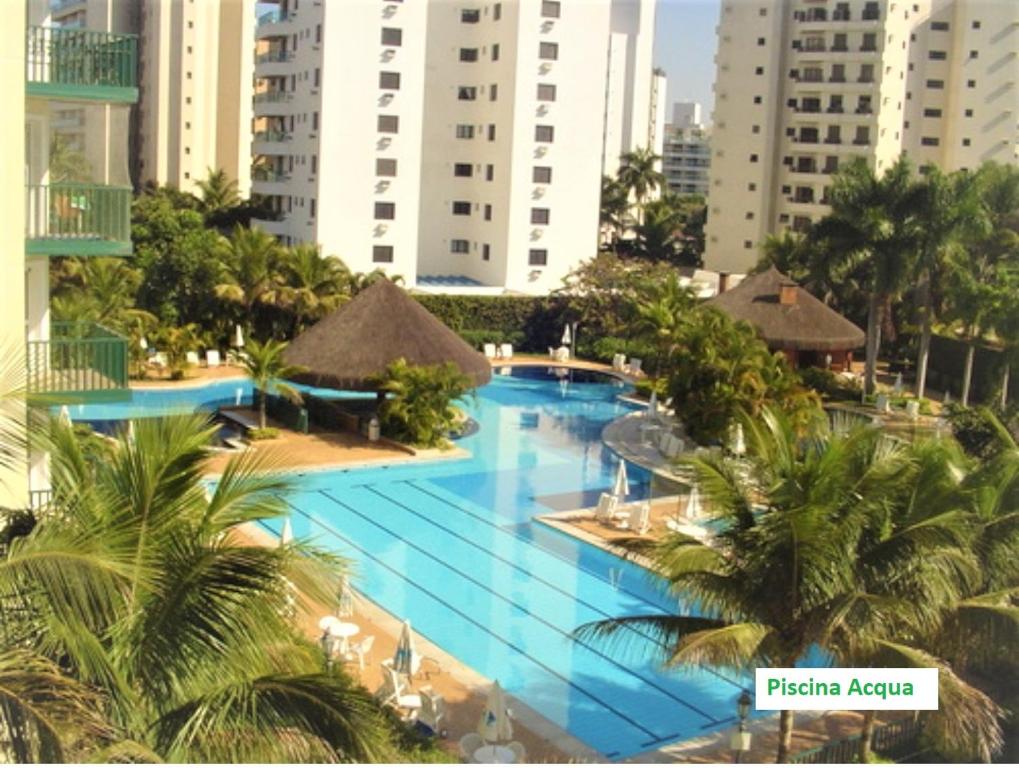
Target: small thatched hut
[
  {"x": 792, "y": 321},
  {"x": 349, "y": 347}
]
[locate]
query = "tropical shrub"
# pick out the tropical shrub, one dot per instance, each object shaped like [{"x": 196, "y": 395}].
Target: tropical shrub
[
  {"x": 830, "y": 386},
  {"x": 263, "y": 433},
  {"x": 479, "y": 338},
  {"x": 982, "y": 432},
  {"x": 419, "y": 407},
  {"x": 265, "y": 366}
]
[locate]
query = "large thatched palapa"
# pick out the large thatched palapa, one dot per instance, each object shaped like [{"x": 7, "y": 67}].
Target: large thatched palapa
[
  {"x": 791, "y": 320},
  {"x": 347, "y": 348}
]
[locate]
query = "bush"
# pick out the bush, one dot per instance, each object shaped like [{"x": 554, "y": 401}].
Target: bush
[
  {"x": 419, "y": 409},
  {"x": 604, "y": 349},
  {"x": 978, "y": 430},
  {"x": 529, "y": 323},
  {"x": 645, "y": 386},
  {"x": 269, "y": 433},
  {"x": 830, "y": 386},
  {"x": 477, "y": 339}
]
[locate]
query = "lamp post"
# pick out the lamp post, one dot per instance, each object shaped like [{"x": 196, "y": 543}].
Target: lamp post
[{"x": 740, "y": 742}]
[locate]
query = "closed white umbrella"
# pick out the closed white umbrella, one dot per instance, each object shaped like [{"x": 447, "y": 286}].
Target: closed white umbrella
[
  {"x": 567, "y": 336},
  {"x": 143, "y": 343},
  {"x": 621, "y": 488},
  {"x": 238, "y": 336},
  {"x": 346, "y": 598},
  {"x": 495, "y": 724},
  {"x": 403, "y": 659},
  {"x": 693, "y": 503},
  {"x": 65, "y": 416},
  {"x": 652, "y": 405},
  {"x": 739, "y": 444},
  {"x": 286, "y": 533}
]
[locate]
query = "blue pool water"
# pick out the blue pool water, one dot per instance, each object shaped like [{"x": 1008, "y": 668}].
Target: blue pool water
[{"x": 451, "y": 545}]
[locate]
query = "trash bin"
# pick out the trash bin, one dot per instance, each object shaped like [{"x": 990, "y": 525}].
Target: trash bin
[{"x": 373, "y": 429}]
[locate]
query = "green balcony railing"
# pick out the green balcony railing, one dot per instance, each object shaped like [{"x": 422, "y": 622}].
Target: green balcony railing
[
  {"x": 267, "y": 174},
  {"x": 272, "y": 136},
  {"x": 271, "y": 17},
  {"x": 78, "y": 357},
  {"x": 271, "y": 57},
  {"x": 273, "y": 97},
  {"x": 67, "y": 63},
  {"x": 70, "y": 219}
]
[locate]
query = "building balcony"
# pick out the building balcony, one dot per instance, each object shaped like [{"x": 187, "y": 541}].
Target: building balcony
[
  {"x": 273, "y": 57},
  {"x": 272, "y": 226},
  {"x": 81, "y": 65},
  {"x": 62, "y": 6},
  {"x": 70, "y": 219},
  {"x": 271, "y": 143},
  {"x": 84, "y": 360},
  {"x": 272, "y": 24},
  {"x": 269, "y": 103}
]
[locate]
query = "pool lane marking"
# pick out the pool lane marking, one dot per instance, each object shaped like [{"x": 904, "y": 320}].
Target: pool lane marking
[
  {"x": 454, "y": 609},
  {"x": 525, "y": 610},
  {"x": 593, "y": 608},
  {"x": 465, "y": 511}
]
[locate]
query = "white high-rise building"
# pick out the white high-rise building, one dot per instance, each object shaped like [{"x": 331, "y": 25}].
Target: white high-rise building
[
  {"x": 802, "y": 86},
  {"x": 686, "y": 159},
  {"x": 450, "y": 142}
]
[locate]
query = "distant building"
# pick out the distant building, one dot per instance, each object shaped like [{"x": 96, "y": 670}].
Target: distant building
[
  {"x": 803, "y": 87},
  {"x": 686, "y": 159},
  {"x": 687, "y": 114}
]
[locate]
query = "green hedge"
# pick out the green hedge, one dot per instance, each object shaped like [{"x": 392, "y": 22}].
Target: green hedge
[{"x": 529, "y": 323}]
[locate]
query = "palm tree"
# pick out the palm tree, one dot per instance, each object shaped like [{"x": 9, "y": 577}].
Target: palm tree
[
  {"x": 251, "y": 270},
  {"x": 219, "y": 191},
  {"x": 659, "y": 232},
  {"x": 266, "y": 368},
  {"x": 314, "y": 285},
  {"x": 139, "y": 584},
  {"x": 615, "y": 208},
  {"x": 660, "y": 315},
  {"x": 102, "y": 290},
  {"x": 950, "y": 210},
  {"x": 639, "y": 175},
  {"x": 873, "y": 225}
]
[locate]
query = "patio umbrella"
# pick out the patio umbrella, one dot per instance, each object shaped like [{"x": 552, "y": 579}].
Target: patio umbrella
[
  {"x": 652, "y": 405},
  {"x": 494, "y": 724},
  {"x": 403, "y": 659},
  {"x": 238, "y": 336},
  {"x": 346, "y": 598},
  {"x": 693, "y": 503},
  {"x": 621, "y": 488},
  {"x": 567, "y": 337},
  {"x": 739, "y": 444},
  {"x": 65, "y": 416},
  {"x": 286, "y": 533},
  {"x": 143, "y": 343}
]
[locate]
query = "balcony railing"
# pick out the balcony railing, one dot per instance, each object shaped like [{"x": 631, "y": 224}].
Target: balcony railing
[
  {"x": 272, "y": 17},
  {"x": 272, "y": 136},
  {"x": 67, "y": 219},
  {"x": 81, "y": 64},
  {"x": 78, "y": 357},
  {"x": 270, "y": 57},
  {"x": 265, "y": 174},
  {"x": 273, "y": 97}
]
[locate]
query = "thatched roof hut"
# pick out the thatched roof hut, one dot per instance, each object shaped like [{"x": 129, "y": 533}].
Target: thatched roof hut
[
  {"x": 347, "y": 348},
  {"x": 787, "y": 317}
]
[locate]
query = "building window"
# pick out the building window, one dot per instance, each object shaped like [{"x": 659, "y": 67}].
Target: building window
[
  {"x": 936, "y": 84},
  {"x": 747, "y": 244},
  {"x": 965, "y": 142},
  {"x": 544, "y": 134},
  {"x": 383, "y": 166},
  {"x": 463, "y": 169},
  {"x": 550, "y": 9},
  {"x": 749, "y": 216},
  {"x": 459, "y": 246},
  {"x": 311, "y": 208},
  {"x": 382, "y": 254},
  {"x": 496, "y": 11},
  {"x": 489, "y": 172},
  {"x": 470, "y": 15},
  {"x": 760, "y": 41},
  {"x": 385, "y": 210},
  {"x": 548, "y": 51},
  {"x": 937, "y": 55},
  {"x": 541, "y": 174},
  {"x": 318, "y": 78},
  {"x": 314, "y": 121},
  {"x": 314, "y": 165},
  {"x": 392, "y": 36},
  {"x": 488, "y": 211},
  {"x": 493, "y": 92},
  {"x": 939, "y": 26},
  {"x": 546, "y": 92},
  {"x": 757, "y": 99},
  {"x": 486, "y": 252},
  {"x": 461, "y": 208},
  {"x": 468, "y": 54},
  {"x": 752, "y": 187},
  {"x": 758, "y": 70},
  {"x": 467, "y": 93},
  {"x": 976, "y": 25},
  {"x": 753, "y": 158},
  {"x": 929, "y": 112},
  {"x": 464, "y": 131},
  {"x": 968, "y": 113},
  {"x": 930, "y": 141},
  {"x": 539, "y": 215},
  {"x": 495, "y": 52},
  {"x": 389, "y": 124},
  {"x": 537, "y": 257},
  {"x": 971, "y": 83},
  {"x": 388, "y": 81},
  {"x": 491, "y": 131}
]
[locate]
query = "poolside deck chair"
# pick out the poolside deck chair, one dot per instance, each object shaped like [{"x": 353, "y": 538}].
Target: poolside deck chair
[
  {"x": 469, "y": 744},
  {"x": 618, "y": 362},
  {"x": 490, "y": 352},
  {"x": 360, "y": 651},
  {"x": 562, "y": 354},
  {"x": 551, "y": 353},
  {"x": 212, "y": 358},
  {"x": 640, "y": 518},
  {"x": 634, "y": 367},
  {"x": 506, "y": 351},
  {"x": 433, "y": 709},
  {"x": 606, "y": 509},
  {"x": 393, "y": 692},
  {"x": 882, "y": 404},
  {"x": 159, "y": 359},
  {"x": 192, "y": 358}
]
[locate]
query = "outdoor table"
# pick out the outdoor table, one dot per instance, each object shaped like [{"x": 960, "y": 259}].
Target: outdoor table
[
  {"x": 343, "y": 630},
  {"x": 493, "y": 753}
]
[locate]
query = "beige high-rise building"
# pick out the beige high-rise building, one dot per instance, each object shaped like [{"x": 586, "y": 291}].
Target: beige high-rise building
[
  {"x": 195, "y": 81},
  {"x": 803, "y": 86}
]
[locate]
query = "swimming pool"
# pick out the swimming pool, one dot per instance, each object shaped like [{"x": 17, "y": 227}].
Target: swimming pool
[{"x": 451, "y": 545}]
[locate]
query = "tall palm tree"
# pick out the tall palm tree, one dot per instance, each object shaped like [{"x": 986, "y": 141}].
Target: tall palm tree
[
  {"x": 639, "y": 175},
  {"x": 661, "y": 313},
  {"x": 659, "y": 232},
  {"x": 218, "y": 191},
  {"x": 264, "y": 365},
  {"x": 102, "y": 290},
  {"x": 873, "y": 225},
  {"x": 950, "y": 209},
  {"x": 138, "y": 583},
  {"x": 314, "y": 285},
  {"x": 615, "y": 209},
  {"x": 252, "y": 270}
]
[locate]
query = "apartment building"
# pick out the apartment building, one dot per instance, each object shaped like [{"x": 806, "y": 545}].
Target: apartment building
[
  {"x": 60, "y": 200},
  {"x": 196, "y": 80},
  {"x": 686, "y": 151},
  {"x": 449, "y": 142},
  {"x": 803, "y": 86}
]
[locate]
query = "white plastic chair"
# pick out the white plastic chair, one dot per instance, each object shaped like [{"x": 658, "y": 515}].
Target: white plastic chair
[
  {"x": 469, "y": 744},
  {"x": 635, "y": 364},
  {"x": 433, "y": 709},
  {"x": 191, "y": 357},
  {"x": 562, "y": 354},
  {"x": 392, "y": 693},
  {"x": 212, "y": 358},
  {"x": 506, "y": 350},
  {"x": 490, "y": 352},
  {"x": 618, "y": 362},
  {"x": 640, "y": 518},
  {"x": 606, "y": 509},
  {"x": 551, "y": 352},
  {"x": 518, "y": 750},
  {"x": 360, "y": 651}
]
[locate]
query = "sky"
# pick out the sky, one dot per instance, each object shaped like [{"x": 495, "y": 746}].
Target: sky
[{"x": 685, "y": 44}]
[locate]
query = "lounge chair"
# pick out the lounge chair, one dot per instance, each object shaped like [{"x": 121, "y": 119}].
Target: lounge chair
[
  {"x": 882, "y": 405},
  {"x": 393, "y": 692},
  {"x": 469, "y": 744},
  {"x": 191, "y": 358},
  {"x": 618, "y": 362},
  {"x": 159, "y": 359},
  {"x": 433, "y": 709},
  {"x": 634, "y": 367},
  {"x": 606, "y": 509},
  {"x": 490, "y": 352},
  {"x": 518, "y": 749},
  {"x": 212, "y": 358},
  {"x": 638, "y": 517},
  {"x": 562, "y": 354},
  {"x": 551, "y": 353},
  {"x": 506, "y": 351},
  {"x": 360, "y": 651}
]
